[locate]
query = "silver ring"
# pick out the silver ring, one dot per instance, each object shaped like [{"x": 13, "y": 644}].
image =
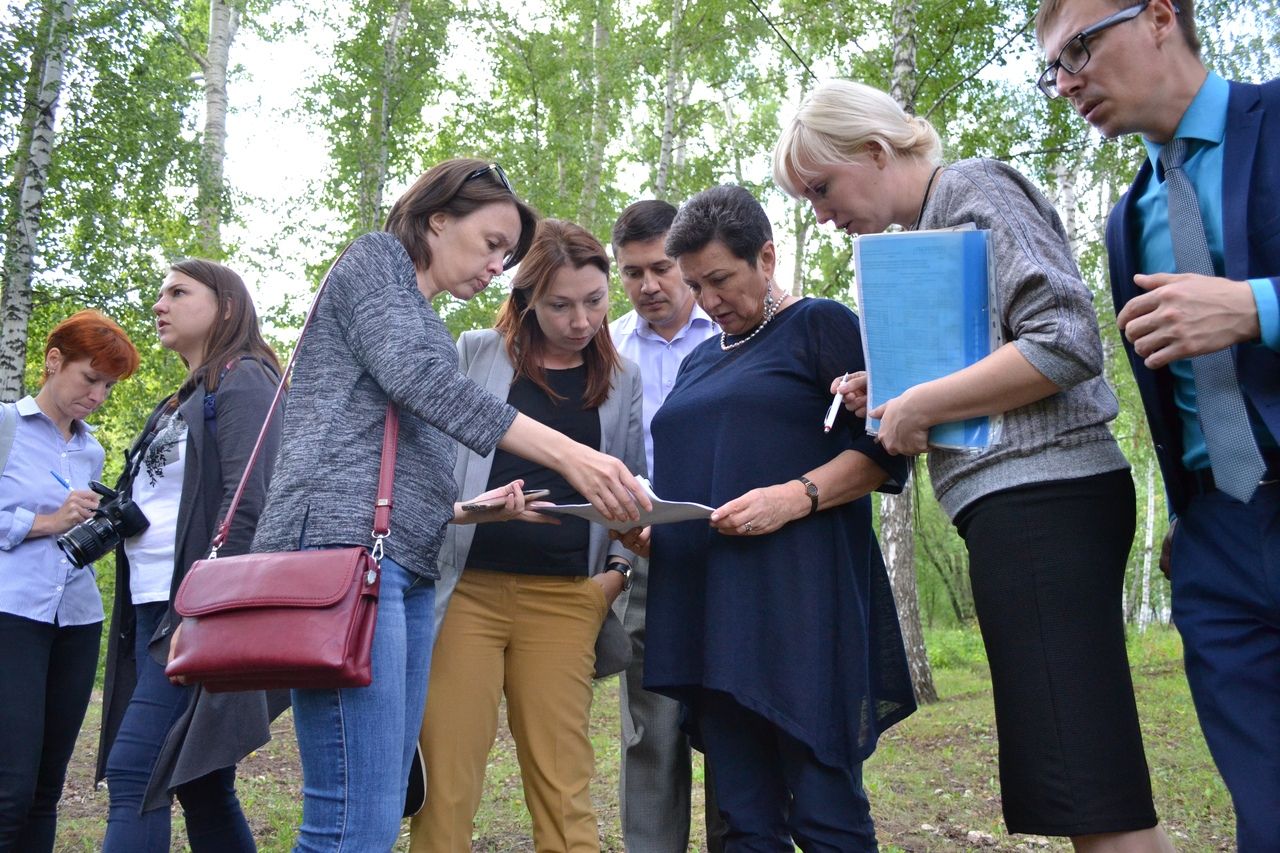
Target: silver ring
[{"x": 748, "y": 527}]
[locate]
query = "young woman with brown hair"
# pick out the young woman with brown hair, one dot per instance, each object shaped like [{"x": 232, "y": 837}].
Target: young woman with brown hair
[
  {"x": 160, "y": 739},
  {"x": 528, "y": 614}
]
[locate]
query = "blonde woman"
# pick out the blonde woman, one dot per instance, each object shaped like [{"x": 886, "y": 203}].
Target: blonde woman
[{"x": 1048, "y": 513}]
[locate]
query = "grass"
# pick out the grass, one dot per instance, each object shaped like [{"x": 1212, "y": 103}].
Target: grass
[{"x": 933, "y": 782}]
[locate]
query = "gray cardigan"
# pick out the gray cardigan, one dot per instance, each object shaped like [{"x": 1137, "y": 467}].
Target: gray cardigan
[
  {"x": 483, "y": 358},
  {"x": 217, "y": 729},
  {"x": 1047, "y": 312},
  {"x": 375, "y": 338}
]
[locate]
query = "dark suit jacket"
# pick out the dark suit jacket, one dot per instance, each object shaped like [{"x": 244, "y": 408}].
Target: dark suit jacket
[
  {"x": 217, "y": 729},
  {"x": 1251, "y": 244}
]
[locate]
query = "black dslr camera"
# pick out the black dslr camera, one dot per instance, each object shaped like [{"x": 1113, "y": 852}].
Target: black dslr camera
[{"x": 117, "y": 517}]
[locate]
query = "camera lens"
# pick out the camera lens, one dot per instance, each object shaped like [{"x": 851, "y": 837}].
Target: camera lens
[{"x": 88, "y": 541}]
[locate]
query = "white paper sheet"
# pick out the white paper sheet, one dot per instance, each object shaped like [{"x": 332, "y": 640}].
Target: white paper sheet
[{"x": 664, "y": 512}]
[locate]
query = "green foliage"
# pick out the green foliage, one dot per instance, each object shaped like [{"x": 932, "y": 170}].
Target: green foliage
[{"x": 956, "y": 649}]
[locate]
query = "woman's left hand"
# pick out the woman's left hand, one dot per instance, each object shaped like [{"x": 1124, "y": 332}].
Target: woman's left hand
[
  {"x": 904, "y": 426},
  {"x": 762, "y": 511}
]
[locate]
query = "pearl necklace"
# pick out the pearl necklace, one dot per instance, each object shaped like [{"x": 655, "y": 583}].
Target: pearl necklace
[{"x": 770, "y": 309}]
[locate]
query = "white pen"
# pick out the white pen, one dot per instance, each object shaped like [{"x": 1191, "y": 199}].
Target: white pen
[{"x": 834, "y": 409}]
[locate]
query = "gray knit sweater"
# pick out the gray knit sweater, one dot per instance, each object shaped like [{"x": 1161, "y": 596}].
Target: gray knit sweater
[
  {"x": 374, "y": 338},
  {"x": 1047, "y": 312}
]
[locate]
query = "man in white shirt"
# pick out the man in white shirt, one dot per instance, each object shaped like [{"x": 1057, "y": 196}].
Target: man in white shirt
[{"x": 665, "y": 326}]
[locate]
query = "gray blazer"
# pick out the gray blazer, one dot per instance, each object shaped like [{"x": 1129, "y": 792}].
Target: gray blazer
[
  {"x": 217, "y": 729},
  {"x": 483, "y": 359}
]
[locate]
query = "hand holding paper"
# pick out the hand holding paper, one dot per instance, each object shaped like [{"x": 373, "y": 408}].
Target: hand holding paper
[{"x": 663, "y": 512}]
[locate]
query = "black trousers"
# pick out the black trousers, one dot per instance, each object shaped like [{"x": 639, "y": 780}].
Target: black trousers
[{"x": 46, "y": 677}]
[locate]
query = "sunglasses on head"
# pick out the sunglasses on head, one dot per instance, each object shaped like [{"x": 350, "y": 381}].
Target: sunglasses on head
[{"x": 496, "y": 171}]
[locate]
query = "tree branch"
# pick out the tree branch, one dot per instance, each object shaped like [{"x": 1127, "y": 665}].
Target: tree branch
[{"x": 950, "y": 90}]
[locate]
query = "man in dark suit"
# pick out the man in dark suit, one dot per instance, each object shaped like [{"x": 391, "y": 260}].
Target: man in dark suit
[{"x": 1194, "y": 249}]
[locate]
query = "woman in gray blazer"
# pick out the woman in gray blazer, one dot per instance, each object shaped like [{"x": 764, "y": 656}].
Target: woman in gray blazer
[
  {"x": 159, "y": 739},
  {"x": 529, "y": 604}
]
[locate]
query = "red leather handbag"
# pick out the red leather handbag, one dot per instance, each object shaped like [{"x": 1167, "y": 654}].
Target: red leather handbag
[{"x": 295, "y": 619}]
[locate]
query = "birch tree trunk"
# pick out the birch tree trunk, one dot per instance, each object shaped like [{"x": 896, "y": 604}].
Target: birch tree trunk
[
  {"x": 224, "y": 21},
  {"x": 1066, "y": 178},
  {"x": 1148, "y": 551},
  {"x": 665, "y": 150},
  {"x": 599, "y": 118},
  {"x": 31, "y": 180},
  {"x": 803, "y": 224},
  {"x": 897, "y": 529},
  {"x": 373, "y": 177}
]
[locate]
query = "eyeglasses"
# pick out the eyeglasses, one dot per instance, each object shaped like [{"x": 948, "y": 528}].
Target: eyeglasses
[
  {"x": 1075, "y": 55},
  {"x": 497, "y": 172}
]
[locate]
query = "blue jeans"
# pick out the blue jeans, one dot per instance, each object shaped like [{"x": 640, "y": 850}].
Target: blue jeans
[
  {"x": 357, "y": 743},
  {"x": 213, "y": 816}
]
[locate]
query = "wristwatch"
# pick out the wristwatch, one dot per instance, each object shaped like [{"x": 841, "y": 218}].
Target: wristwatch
[
  {"x": 621, "y": 568},
  {"x": 812, "y": 491}
]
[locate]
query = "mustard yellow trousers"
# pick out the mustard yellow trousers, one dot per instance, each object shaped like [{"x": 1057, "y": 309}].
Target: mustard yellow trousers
[{"x": 532, "y": 638}]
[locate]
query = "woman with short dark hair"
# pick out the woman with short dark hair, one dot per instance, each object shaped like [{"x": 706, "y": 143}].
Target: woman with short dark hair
[
  {"x": 775, "y": 625},
  {"x": 374, "y": 340},
  {"x": 50, "y": 610}
]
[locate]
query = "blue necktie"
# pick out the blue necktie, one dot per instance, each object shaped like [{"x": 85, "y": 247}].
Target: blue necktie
[{"x": 1233, "y": 452}]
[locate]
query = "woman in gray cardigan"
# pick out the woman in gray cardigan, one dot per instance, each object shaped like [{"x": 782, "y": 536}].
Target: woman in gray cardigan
[
  {"x": 159, "y": 739},
  {"x": 1047, "y": 513},
  {"x": 374, "y": 340}
]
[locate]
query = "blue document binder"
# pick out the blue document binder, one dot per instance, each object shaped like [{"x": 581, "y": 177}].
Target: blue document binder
[{"x": 925, "y": 300}]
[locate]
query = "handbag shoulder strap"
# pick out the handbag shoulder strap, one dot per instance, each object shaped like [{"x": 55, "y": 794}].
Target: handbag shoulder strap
[{"x": 390, "y": 434}]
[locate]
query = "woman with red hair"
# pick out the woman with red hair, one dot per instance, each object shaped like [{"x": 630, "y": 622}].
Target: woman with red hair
[{"x": 50, "y": 611}]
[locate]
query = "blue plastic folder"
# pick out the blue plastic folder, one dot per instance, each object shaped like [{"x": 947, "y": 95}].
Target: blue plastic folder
[{"x": 925, "y": 298}]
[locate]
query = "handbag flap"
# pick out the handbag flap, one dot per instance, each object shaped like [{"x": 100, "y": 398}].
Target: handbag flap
[{"x": 317, "y": 578}]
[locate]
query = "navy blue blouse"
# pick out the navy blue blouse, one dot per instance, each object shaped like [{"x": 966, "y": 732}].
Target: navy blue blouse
[{"x": 799, "y": 625}]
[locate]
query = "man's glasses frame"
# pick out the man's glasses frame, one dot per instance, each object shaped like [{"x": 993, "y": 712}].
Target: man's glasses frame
[
  {"x": 1075, "y": 55},
  {"x": 497, "y": 173}
]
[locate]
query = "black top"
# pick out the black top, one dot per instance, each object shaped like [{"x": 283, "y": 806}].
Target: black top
[
  {"x": 541, "y": 549},
  {"x": 798, "y": 626}
]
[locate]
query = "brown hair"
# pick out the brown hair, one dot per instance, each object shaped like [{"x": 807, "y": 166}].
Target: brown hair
[
  {"x": 92, "y": 335},
  {"x": 234, "y": 333},
  {"x": 1186, "y": 13},
  {"x": 556, "y": 244},
  {"x": 455, "y": 188}
]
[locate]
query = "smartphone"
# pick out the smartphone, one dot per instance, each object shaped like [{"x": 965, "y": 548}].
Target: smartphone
[{"x": 529, "y": 495}]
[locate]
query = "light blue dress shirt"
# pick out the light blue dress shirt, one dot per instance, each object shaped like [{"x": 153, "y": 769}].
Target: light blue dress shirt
[
  {"x": 36, "y": 579},
  {"x": 658, "y": 358},
  {"x": 1204, "y": 123}
]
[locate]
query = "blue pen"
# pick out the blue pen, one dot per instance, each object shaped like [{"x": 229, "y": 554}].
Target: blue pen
[{"x": 58, "y": 477}]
